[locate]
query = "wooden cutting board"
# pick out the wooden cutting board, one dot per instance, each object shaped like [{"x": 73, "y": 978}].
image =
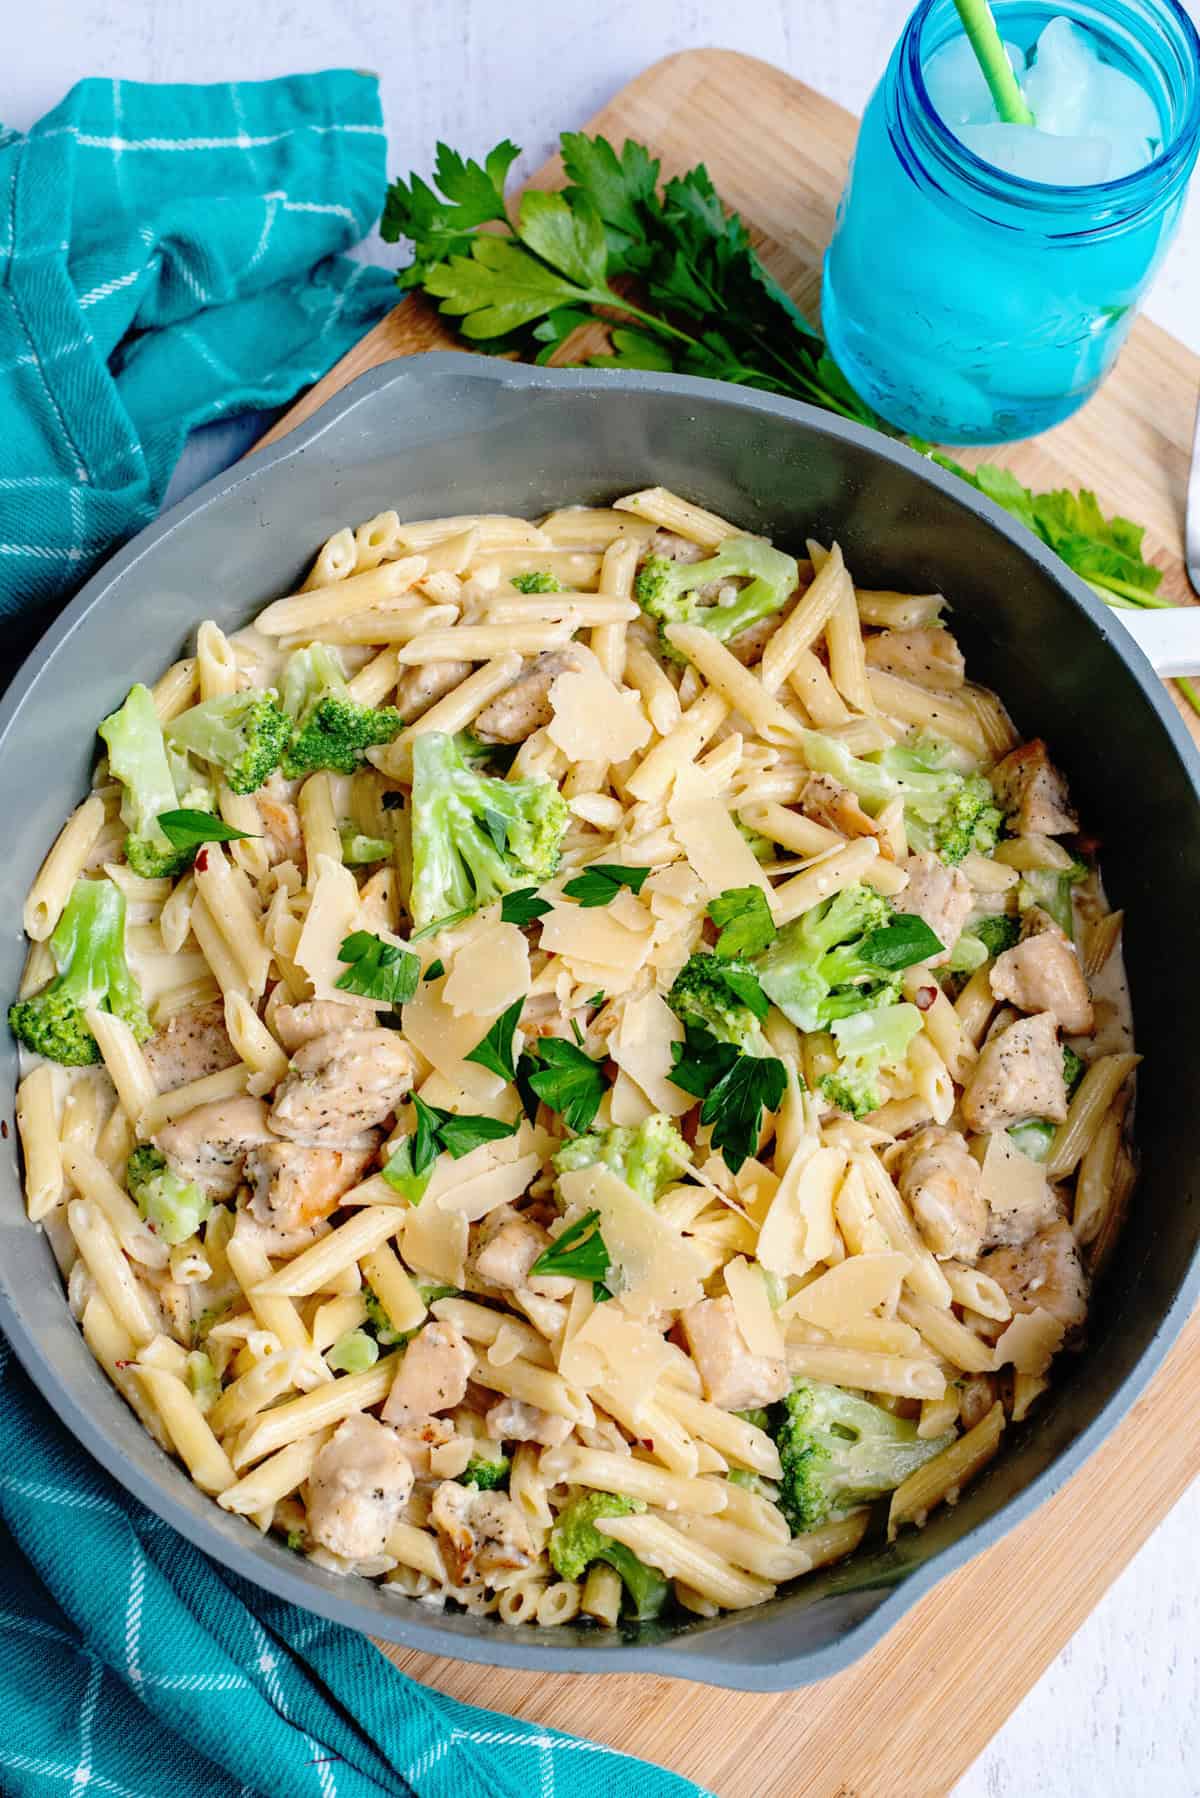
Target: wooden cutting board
[{"x": 910, "y": 1718}]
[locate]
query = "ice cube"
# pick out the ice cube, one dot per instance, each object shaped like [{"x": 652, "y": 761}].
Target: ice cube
[
  {"x": 1037, "y": 155},
  {"x": 1074, "y": 93},
  {"x": 956, "y": 82},
  {"x": 1130, "y": 151}
]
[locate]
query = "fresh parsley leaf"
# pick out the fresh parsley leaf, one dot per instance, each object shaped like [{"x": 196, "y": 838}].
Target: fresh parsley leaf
[
  {"x": 568, "y": 234},
  {"x": 458, "y": 1135},
  {"x": 500, "y": 287},
  {"x": 580, "y": 1253},
  {"x": 634, "y": 349},
  {"x": 187, "y": 829},
  {"x": 378, "y": 970},
  {"x": 424, "y": 1140},
  {"x": 402, "y": 1176},
  {"x": 600, "y": 883},
  {"x": 900, "y": 944},
  {"x": 523, "y": 906},
  {"x": 565, "y": 1079},
  {"x": 539, "y": 580},
  {"x": 735, "y": 1089},
  {"x": 597, "y": 998},
  {"x": 495, "y": 1050},
  {"x": 744, "y": 983},
  {"x": 435, "y": 970},
  {"x": 623, "y": 189},
  {"x": 440, "y": 225},
  {"x": 744, "y": 920},
  {"x": 451, "y": 917},
  {"x": 576, "y": 1032}
]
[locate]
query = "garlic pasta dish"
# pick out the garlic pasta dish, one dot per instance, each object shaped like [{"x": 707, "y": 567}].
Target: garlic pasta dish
[{"x": 576, "y": 1068}]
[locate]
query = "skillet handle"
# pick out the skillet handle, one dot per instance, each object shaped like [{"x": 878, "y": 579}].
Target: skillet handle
[{"x": 1169, "y": 639}]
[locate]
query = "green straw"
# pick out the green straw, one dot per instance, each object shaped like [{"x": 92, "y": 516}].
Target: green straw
[{"x": 980, "y": 27}]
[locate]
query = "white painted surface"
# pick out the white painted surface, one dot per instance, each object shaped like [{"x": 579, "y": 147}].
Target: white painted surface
[{"x": 1118, "y": 1714}]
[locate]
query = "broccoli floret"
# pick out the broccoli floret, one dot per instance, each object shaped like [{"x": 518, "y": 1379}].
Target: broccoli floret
[
  {"x": 242, "y": 734},
  {"x": 1074, "y": 1068},
  {"x": 759, "y": 1417},
  {"x": 202, "y": 1381},
  {"x": 476, "y": 837},
  {"x": 487, "y": 1470},
  {"x": 353, "y": 1352},
  {"x": 723, "y": 996},
  {"x": 742, "y": 1476},
  {"x": 1033, "y": 1137},
  {"x": 173, "y": 1207},
  {"x": 647, "y": 1158},
  {"x": 668, "y": 590},
  {"x": 137, "y": 757},
  {"x": 540, "y": 580},
  {"x": 867, "y": 1042},
  {"x": 816, "y": 970},
  {"x": 329, "y": 730},
  {"x": 88, "y": 947},
  {"x": 360, "y": 850},
  {"x": 575, "y": 1543},
  {"x": 988, "y": 937},
  {"x": 946, "y": 809},
  {"x": 761, "y": 848},
  {"x": 839, "y": 1451},
  {"x": 378, "y": 1321}
]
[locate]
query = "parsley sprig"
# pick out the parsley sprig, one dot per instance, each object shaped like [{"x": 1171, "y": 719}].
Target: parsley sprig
[
  {"x": 678, "y": 286},
  {"x": 564, "y": 1078},
  {"x": 580, "y": 1253},
  {"x": 378, "y": 970},
  {"x": 411, "y": 1163},
  {"x": 600, "y": 883},
  {"x": 735, "y": 1090}
]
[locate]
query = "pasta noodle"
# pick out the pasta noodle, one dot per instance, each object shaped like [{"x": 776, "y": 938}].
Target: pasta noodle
[{"x": 574, "y": 1133}]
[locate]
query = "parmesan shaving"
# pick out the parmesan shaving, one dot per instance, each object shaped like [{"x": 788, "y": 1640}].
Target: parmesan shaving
[
  {"x": 798, "y": 1231},
  {"x": 490, "y": 973},
  {"x": 1030, "y": 1342},
  {"x": 715, "y": 848},
  {"x": 755, "y": 1319},
  {"x": 592, "y": 721},
  {"x": 652, "y": 1267},
  {"x": 1013, "y": 1184},
  {"x": 641, "y": 1048},
  {"x": 445, "y": 1037},
  {"x": 331, "y": 917},
  {"x": 435, "y": 1243},
  {"x": 636, "y": 1356},
  {"x": 595, "y": 942},
  {"x": 850, "y": 1290},
  {"x": 498, "y": 1186}
]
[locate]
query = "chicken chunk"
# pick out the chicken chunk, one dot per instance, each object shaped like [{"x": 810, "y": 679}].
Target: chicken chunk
[
  {"x": 296, "y": 1025},
  {"x": 940, "y": 1181},
  {"x": 940, "y": 895},
  {"x": 276, "y": 802},
  {"x": 676, "y": 548},
  {"x": 525, "y": 706},
  {"x": 209, "y": 1144},
  {"x": 733, "y": 1377},
  {"x": 340, "y": 1085},
  {"x": 432, "y": 1377},
  {"x": 1042, "y": 973},
  {"x": 1044, "y": 1273},
  {"x": 294, "y": 1187},
  {"x": 482, "y": 1534},
  {"x": 512, "y": 1420},
  {"x": 929, "y": 656},
  {"x": 1033, "y": 794},
  {"x": 828, "y": 802},
  {"x": 359, "y": 1484},
  {"x": 749, "y": 644},
  {"x": 420, "y": 688},
  {"x": 505, "y": 1250},
  {"x": 194, "y": 1043},
  {"x": 1019, "y": 1074}
]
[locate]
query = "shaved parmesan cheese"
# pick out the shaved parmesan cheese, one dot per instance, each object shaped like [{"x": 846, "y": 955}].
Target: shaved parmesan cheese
[
  {"x": 627, "y": 1103},
  {"x": 755, "y": 1319},
  {"x": 715, "y": 848},
  {"x": 849, "y": 1291},
  {"x": 448, "y": 1095},
  {"x": 444, "y": 1037},
  {"x": 498, "y": 1186},
  {"x": 641, "y": 1047},
  {"x": 593, "y": 722},
  {"x": 598, "y": 939},
  {"x": 653, "y": 1267},
  {"x": 673, "y": 886},
  {"x": 580, "y": 1364},
  {"x": 435, "y": 1243},
  {"x": 1030, "y": 1342},
  {"x": 333, "y": 913},
  {"x": 489, "y": 973},
  {"x": 449, "y": 1176},
  {"x": 798, "y": 1231},
  {"x": 635, "y": 1356},
  {"x": 1012, "y": 1183}
]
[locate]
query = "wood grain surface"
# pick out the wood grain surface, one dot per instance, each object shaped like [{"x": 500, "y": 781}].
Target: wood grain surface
[{"x": 906, "y": 1721}]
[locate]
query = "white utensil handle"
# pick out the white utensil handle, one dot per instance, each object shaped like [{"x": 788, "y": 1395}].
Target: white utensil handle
[{"x": 1170, "y": 640}]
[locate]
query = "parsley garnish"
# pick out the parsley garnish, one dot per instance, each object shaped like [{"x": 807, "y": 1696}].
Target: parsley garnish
[
  {"x": 435, "y": 970},
  {"x": 453, "y": 917},
  {"x": 580, "y": 1253},
  {"x": 735, "y": 1089},
  {"x": 744, "y": 920},
  {"x": 378, "y": 970},
  {"x": 411, "y": 1162},
  {"x": 597, "y": 998},
  {"x": 905, "y": 941},
  {"x": 600, "y": 883},
  {"x": 495, "y": 1051},
  {"x": 187, "y": 829},
  {"x": 539, "y": 581},
  {"x": 565, "y": 1079},
  {"x": 523, "y": 906}
]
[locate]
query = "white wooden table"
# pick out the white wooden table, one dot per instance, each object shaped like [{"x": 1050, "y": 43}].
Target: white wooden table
[{"x": 1118, "y": 1714}]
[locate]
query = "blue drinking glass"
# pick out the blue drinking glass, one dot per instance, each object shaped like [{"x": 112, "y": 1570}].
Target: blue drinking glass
[{"x": 968, "y": 305}]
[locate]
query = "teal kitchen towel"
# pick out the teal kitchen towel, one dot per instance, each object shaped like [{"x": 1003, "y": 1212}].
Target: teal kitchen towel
[
  {"x": 168, "y": 255},
  {"x": 132, "y": 1666}
]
